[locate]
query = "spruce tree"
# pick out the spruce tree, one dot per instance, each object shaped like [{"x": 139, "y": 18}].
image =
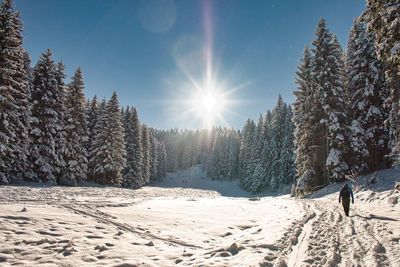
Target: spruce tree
[
  {"x": 288, "y": 170},
  {"x": 109, "y": 153},
  {"x": 153, "y": 157},
  {"x": 77, "y": 133},
  {"x": 162, "y": 161},
  {"x": 383, "y": 20},
  {"x": 14, "y": 97},
  {"x": 257, "y": 179},
  {"x": 329, "y": 81},
  {"x": 303, "y": 114},
  {"x": 92, "y": 111},
  {"x": 134, "y": 153},
  {"x": 62, "y": 146},
  {"x": 233, "y": 153},
  {"x": 246, "y": 147},
  {"x": 46, "y": 122},
  {"x": 94, "y": 158},
  {"x": 257, "y": 142},
  {"x": 219, "y": 166},
  {"x": 367, "y": 92},
  {"x": 145, "y": 167},
  {"x": 266, "y": 153}
]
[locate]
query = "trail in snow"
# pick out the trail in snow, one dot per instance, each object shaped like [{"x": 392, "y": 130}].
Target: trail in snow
[{"x": 167, "y": 224}]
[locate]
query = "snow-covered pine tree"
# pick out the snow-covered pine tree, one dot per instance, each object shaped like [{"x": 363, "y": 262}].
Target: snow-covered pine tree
[
  {"x": 367, "y": 92},
  {"x": 109, "y": 153},
  {"x": 162, "y": 161},
  {"x": 29, "y": 173},
  {"x": 257, "y": 180},
  {"x": 233, "y": 153},
  {"x": 134, "y": 153},
  {"x": 337, "y": 116},
  {"x": 171, "y": 150},
  {"x": 46, "y": 123},
  {"x": 145, "y": 170},
  {"x": 91, "y": 119},
  {"x": 219, "y": 167},
  {"x": 76, "y": 132},
  {"x": 246, "y": 147},
  {"x": 384, "y": 21},
  {"x": 153, "y": 157},
  {"x": 94, "y": 158},
  {"x": 61, "y": 170},
  {"x": 328, "y": 79},
  {"x": 195, "y": 148},
  {"x": 186, "y": 156},
  {"x": 277, "y": 137},
  {"x": 302, "y": 115},
  {"x": 288, "y": 170},
  {"x": 14, "y": 97},
  {"x": 266, "y": 153},
  {"x": 257, "y": 141}
]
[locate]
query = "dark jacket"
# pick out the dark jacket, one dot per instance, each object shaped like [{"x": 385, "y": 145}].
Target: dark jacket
[{"x": 346, "y": 191}]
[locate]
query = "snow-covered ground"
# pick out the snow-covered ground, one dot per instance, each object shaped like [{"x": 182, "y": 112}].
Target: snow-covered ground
[{"x": 188, "y": 220}]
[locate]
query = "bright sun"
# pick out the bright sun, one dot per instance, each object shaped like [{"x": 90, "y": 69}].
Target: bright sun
[
  {"x": 208, "y": 104},
  {"x": 208, "y": 101}
]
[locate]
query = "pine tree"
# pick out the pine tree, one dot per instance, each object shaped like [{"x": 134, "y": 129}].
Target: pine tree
[
  {"x": 367, "y": 92},
  {"x": 328, "y": 79},
  {"x": 134, "y": 153},
  {"x": 257, "y": 180},
  {"x": 153, "y": 157},
  {"x": 46, "y": 122},
  {"x": 77, "y": 133},
  {"x": 383, "y": 20},
  {"x": 302, "y": 117},
  {"x": 267, "y": 151},
  {"x": 246, "y": 147},
  {"x": 92, "y": 111},
  {"x": 61, "y": 170},
  {"x": 186, "y": 156},
  {"x": 94, "y": 158},
  {"x": 14, "y": 97},
  {"x": 162, "y": 161},
  {"x": 257, "y": 143},
  {"x": 109, "y": 153},
  {"x": 219, "y": 166},
  {"x": 233, "y": 153},
  {"x": 145, "y": 171},
  {"x": 288, "y": 170},
  {"x": 275, "y": 145}
]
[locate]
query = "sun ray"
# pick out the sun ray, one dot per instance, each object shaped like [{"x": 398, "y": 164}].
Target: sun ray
[{"x": 201, "y": 95}]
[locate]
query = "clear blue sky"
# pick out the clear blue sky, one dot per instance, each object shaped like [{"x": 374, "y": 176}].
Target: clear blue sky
[{"x": 134, "y": 47}]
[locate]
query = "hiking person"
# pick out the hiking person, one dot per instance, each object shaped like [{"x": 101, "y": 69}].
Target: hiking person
[{"x": 344, "y": 195}]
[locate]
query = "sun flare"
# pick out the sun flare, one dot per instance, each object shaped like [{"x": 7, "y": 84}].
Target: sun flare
[
  {"x": 202, "y": 95},
  {"x": 208, "y": 104},
  {"x": 208, "y": 101}
]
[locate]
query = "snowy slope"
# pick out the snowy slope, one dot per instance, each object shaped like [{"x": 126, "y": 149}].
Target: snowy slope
[{"x": 212, "y": 224}]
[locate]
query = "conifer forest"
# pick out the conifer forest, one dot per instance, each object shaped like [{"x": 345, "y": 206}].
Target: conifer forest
[{"x": 345, "y": 119}]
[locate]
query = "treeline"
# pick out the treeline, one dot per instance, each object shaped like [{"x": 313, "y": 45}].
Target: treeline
[
  {"x": 49, "y": 132},
  {"x": 346, "y": 114},
  {"x": 261, "y": 155}
]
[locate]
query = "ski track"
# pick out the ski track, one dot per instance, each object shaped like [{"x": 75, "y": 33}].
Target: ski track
[
  {"x": 332, "y": 239},
  {"x": 107, "y": 219}
]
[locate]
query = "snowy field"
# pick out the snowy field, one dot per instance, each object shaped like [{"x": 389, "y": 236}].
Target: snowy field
[{"x": 188, "y": 220}]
